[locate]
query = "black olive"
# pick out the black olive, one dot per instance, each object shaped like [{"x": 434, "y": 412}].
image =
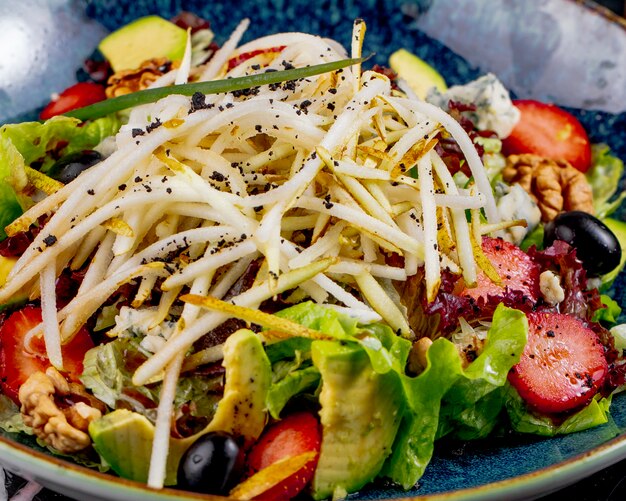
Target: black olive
[
  {"x": 596, "y": 246},
  {"x": 68, "y": 168},
  {"x": 211, "y": 465}
]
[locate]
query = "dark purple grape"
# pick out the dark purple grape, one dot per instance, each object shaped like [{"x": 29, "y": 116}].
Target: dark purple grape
[
  {"x": 211, "y": 465},
  {"x": 67, "y": 168},
  {"x": 596, "y": 246}
]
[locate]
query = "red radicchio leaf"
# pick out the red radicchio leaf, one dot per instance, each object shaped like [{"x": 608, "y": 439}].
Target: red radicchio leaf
[{"x": 561, "y": 258}]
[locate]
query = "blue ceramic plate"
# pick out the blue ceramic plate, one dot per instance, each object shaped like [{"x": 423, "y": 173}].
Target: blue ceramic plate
[{"x": 568, "y": 52}]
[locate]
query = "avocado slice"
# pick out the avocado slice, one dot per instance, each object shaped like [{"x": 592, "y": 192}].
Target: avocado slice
[
  {"x": 248, "y": 378},
  {"x": 619, "y": 230},
  {"x": 6, "y": 265},
  {"x": 146, "y": 38},
  {"x": 124, "y": 438},
  {"x": 419, "y": 75},
  {"x": 361, "y": 412}
]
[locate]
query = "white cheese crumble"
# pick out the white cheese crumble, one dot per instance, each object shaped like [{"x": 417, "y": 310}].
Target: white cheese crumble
[
  {"x": 141, "y": 323},
  {"x": 515, "y": 203},
  {"x": 550, "y": 287},
  {"x": 494, "y": 109}
]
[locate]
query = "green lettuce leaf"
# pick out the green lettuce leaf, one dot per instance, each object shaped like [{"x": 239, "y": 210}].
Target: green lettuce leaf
[
  {"x": 445, "y": 399},
  {"x": 472, "y": 406},
  {"x": 10, "y": 207},
  {"x": 326, "y": 320},
  {"x": 609, "y": 314},
  {"x": 524, "y": 421},
  {"x": 604, "y": 176},
  {"x": 108, "y": 371},
  {"x": 28, "y": 143},
  {"x": 535, "y": 238},
  {"x": 414, "y": 444},
  {"x": 42, "y": 142},
  {"x": 294, "y": 383},
  {"x": 10, "y": 417}
]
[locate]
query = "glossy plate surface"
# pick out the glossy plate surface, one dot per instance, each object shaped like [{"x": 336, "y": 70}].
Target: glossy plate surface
[{"x": 548, "y": 49}]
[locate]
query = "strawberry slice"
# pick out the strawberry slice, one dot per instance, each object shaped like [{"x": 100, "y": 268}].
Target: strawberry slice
[
  {"x": 551, "y": 132},
  {"x": 291, "y": 436},
  {"x": 562, "y": 366},
  {"x": 517, "y": 271},
  {"x": 16, "y": 364},
  {"x": 74, "y": 97}
]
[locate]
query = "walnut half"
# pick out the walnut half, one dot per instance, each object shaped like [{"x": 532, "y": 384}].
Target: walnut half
[
  {"x": 65, "y": 430},
  {"x": 127, "y": 81},
  {"x": 556, "y": 186}
]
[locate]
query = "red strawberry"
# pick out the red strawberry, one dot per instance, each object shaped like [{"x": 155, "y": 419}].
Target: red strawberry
[
  {"x": 517, "y": 271},
  {"x": 74, "y": 97},
  {"x": 16, "y": 365},
  {"x": 548, "y": 131},
  {"x": 291, "y": 436},
  {"x": 563, "y": 364}
]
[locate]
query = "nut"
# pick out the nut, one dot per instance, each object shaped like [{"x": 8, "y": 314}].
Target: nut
[
  {"x": 65, "y": 430},
  {"x": 127, "y": 81},
  {"x": 556, "y": 186}
]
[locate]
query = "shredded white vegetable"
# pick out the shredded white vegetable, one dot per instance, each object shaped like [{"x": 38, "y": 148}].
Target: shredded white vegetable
[{"x": 317, "y": 180}]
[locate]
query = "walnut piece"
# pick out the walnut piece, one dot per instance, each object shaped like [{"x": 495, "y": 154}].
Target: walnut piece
[
  {"x": 556, "y": 186},
  {"x": 65, "y": 430},
  {"x": 127, "y": 81}
]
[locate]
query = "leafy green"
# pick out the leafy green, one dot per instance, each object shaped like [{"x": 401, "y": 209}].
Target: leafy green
[
  {"x": 385, "y": 350},
  {"x": 10, "y": 207},
  {"x": 524, "y": 421},
  {"x": 294, "y": 383},
  {"x": 146, "y": 96},
  {"x": 287, "y": 348},
  {"x": 445, "y": 399},
  {"x": 610, "y": 313},
  {"x": 10, "y": 417},
  {"x": 604, "y": 177},
  {"x": 28, "y": 143},
  {"x": 414, "y": 444},
  {"x": 326, "y": 320},
  {"x": 108, "y": 371},
  {"x": 473, "y": 404},
  {"x": 42, "y": 142},
  {"x": 535, "y": 238}
]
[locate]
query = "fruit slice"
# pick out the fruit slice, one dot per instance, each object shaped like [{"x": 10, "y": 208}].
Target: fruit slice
[
  {"x": 291, "y": 436},
  {"x": 146, "y": 38},
  {"x": 548, "y": 131},
  {"x": 563, "y": 364},
  {"x": 518, "y": 272},
  {"x": 16, "y": 365},
  {"x": 74, "y": 97},
  {"x": 420, "y": 76}
]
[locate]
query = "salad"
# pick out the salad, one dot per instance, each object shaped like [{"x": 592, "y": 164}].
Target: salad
[{"x": 264, "y": 271}]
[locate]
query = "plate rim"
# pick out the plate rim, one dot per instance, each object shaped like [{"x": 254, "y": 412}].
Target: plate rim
[
  {"x": 543, "y": 481},
  {"x": 54, "y": 471}
]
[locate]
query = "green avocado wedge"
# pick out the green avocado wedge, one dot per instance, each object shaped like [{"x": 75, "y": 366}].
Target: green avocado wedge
[
  {"x": 361, "y": 412},
  {"x": 124, "y": 438},
  {"x": 419, "y": 75},
  {"x": 146, "y": 38},
  {"x": 619, "y": 230}
]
